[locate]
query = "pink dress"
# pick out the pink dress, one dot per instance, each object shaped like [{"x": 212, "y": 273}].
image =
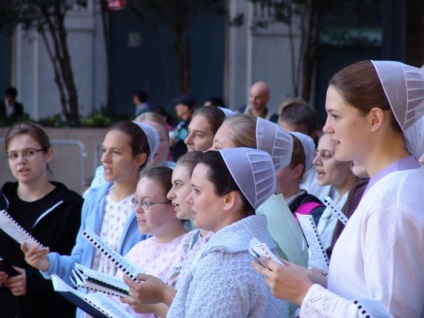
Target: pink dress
[{"x": 158, "y": 259}]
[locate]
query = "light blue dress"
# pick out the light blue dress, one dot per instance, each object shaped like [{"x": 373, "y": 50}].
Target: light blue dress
[{"x": 222, "y": 282}]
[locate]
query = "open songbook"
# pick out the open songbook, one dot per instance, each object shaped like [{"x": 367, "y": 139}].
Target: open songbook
[
  {"x": 97, "y": 305},
  {"x": 312, "y": 237},
  {"x": 258, "y": 250},
  {"x": 329, "y": 202},
  {"x": 93, "y": 280},
  {"x": 128, "y": 267},
  {"x": 12, "y": 228}
]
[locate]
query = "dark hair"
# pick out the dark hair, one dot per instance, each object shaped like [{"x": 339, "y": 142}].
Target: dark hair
[
  {"x": 222, "y": 179},
  {"x": 189, "y": 160},
  {"x": 28, "y": 128},
  {"x": 358, "y": 84},
  {"x": 141, "y": 95},
  {"x": 187, "y": 100},
  {"x": 298, "y": 155},
  {"x": 162, "y": 175},
  {"x": 299, "y": 112},
  {"x": 162, "y": 111},
  {"x": 216, "y": 101},
  {"x": 139, "y": 143},
  {"x": 11, "y": 91},
  {"x": 214, "y": 116}
]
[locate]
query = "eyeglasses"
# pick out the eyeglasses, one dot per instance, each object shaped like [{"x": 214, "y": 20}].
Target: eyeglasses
[
  {"x": 145, "y": 205},
  {"x": 27, "y": 153},
  {"x": 324, "y": 154}
]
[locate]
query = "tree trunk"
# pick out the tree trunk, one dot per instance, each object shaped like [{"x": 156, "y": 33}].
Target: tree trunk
[
  {"x": 61, "y": 60},
  {"x": 65, "y": 65},
  {"x": 309, "y": 53},
  {"x": 181, "y": 31}
]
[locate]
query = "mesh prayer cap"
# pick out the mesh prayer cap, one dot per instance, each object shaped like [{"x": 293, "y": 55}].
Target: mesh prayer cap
[
  {"x": 275, "y": 141},
  {"x": 228, "y": 112},
  {"x": 308, "y": 146},
  {"x": 253, "y": 171},
  {"x": 152, "y": 138},
  {"x": 403, "y": 86}
]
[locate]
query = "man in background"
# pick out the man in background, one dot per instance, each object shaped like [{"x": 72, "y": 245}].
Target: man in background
[
  {"x": 140, "y": 102},
  {"x": 10, "y": 109},
  {"x": 259, "y": 97}
]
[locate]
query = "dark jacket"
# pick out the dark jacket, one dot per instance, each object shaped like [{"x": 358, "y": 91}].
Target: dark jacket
[
  {"x": 271, "y": 117},
  {"x": 19, "y": 111},
  {"x": 59, "y": 218}
]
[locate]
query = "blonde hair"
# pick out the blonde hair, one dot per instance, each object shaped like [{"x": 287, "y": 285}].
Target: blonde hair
[
  {"x": 242, "y": 130},
  {"x": 154, "y": 117}
]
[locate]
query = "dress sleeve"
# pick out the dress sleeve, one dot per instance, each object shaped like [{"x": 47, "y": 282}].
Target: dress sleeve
[{"x": 320, "y": 302}]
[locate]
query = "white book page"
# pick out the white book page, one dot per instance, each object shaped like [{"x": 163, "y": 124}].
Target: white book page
[
  {"x": 12, "y": 228},
  {"x": 334, "y": 208},
  {"x": 106, "y": 305},
  {"x": 128, "y": 267},
  {"x": 91, "y": 279},
  {"x": 312, "y": 237}
]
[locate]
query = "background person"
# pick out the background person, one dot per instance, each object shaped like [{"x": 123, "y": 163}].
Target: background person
[
  {"x": 259, "y": 96},
  {"x": 10, "y": 108},
  {"x": 184, "y": 107},
  {"x": 140, "y": 102}
]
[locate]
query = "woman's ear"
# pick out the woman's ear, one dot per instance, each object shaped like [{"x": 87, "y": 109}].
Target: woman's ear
[
  {"x": 49, "y": 155},
  {"x": 141, "y": 159},
  {"x": 231, "y": 200},
  {"x": 377, "y": 117}
]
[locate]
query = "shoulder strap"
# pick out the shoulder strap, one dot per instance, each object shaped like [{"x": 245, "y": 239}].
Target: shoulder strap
[{"x": 307, "y": 207}]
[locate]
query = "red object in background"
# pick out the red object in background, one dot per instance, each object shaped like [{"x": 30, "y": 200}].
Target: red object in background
[{"x": 115, "y": 4}]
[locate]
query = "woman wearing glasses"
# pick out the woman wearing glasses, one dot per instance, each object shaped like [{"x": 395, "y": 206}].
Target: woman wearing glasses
[
  {"x": 160, "y": 254},
  {"x": 108, "y": 209},
  {"x": 48, "y": 210}
]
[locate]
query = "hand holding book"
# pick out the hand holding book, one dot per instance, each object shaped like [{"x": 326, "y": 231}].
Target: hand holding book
[{"x": 36, "y": 256}]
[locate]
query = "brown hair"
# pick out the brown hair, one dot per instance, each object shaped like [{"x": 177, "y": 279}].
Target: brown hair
[
  {"x": 243, "y": 130},
  {"x": 189, "y": 160},
  {"x": 298, "y": 112},
  {"x": 161, "y": 175},
  {"x": 358, "y": 84},
  {"x": 138, "y": 143},
  {"x": 32, "y": 129},
  {"x": 28, "y": 128},
  {"x": 213, "y": 115},
  {"x": 298, "y": 155}
]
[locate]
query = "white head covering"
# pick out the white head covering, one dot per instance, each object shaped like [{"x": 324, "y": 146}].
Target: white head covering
[
  {"x": 275, "y": 141},
  {"x": 403, "y": 86},
  {"x": 152, "y": 138},
  {"x": 308, "y": 146},
  {"x": 228, "y": 112},
  {"x": 253, "y": 171}
]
